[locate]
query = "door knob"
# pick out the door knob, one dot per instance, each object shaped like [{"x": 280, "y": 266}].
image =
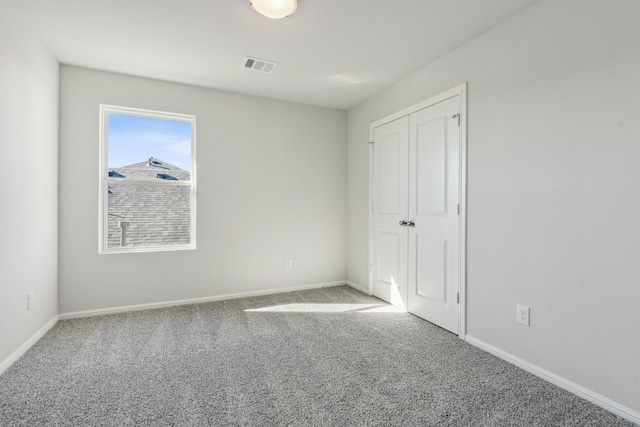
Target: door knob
[
  {"x": 403, "y": 223},
  {"x": 411, "y": 224}
]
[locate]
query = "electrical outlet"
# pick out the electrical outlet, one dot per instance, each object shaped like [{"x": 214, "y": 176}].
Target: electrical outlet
[
  {"x": 30, "y": 305},
  {"x": 522, "y": 314},
  {"x": 288, "y": 264}
]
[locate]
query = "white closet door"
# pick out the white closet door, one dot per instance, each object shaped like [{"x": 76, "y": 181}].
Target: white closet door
[
  {"x": 390, "y": 191},
  {"x": 433, "y": 247}
]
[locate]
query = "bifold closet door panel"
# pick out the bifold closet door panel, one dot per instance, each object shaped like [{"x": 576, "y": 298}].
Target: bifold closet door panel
[
  {"x": 433, "y": 238},
  {"x": 390, "y": 204}
]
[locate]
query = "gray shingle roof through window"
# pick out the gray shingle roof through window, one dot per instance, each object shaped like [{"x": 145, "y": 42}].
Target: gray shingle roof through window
[{"x": 155, "y": 215}]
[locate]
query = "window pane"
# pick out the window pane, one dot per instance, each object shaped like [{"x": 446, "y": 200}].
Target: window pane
[
  {"x": 148, "y": 215},
  {"x": 134, "y": 140}
]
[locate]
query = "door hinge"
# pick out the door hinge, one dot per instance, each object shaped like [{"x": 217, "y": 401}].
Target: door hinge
[
  {"x": 458, "y": 116},
  {"x": 373, "y": 146},
  {"x": 458, "y": 208},
  {"x": 458, "y": 297}
]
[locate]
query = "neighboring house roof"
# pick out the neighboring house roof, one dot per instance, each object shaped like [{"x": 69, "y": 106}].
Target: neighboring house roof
[{"x": 157, "y": 215}]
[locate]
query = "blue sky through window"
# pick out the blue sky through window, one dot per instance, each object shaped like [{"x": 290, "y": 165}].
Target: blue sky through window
[{"x": 133, "y": 139}]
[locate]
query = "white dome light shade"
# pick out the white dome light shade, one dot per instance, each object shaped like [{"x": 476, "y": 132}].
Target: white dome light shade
[{"x": 274, "y": 9}]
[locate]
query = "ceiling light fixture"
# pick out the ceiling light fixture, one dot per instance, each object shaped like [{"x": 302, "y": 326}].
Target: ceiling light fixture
[{"x": 274, "y": 9}]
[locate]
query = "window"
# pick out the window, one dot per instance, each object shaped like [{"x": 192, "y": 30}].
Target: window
[{"x": 147, "y": 180}]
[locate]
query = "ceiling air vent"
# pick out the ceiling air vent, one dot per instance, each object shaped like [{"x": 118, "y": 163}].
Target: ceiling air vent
[{"x": 259, "y": 64}]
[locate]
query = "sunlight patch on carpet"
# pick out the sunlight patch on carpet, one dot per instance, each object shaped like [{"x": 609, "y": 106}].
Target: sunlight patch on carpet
[{"x": 328, "y": 308}]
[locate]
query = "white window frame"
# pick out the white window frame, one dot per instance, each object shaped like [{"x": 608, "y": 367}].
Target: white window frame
[{"x": 105, "y": 180}]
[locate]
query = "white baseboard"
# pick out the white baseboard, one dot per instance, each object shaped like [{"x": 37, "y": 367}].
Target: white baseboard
[
  {"x": 150, "y": 306},
  {"x": 591, "y": 396},
  {"x": 27, "y": 345},
  {"x": 363, "y": 289}
]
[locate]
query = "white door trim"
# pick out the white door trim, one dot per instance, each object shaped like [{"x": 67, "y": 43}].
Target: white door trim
[{"x": 460, "y": 90}]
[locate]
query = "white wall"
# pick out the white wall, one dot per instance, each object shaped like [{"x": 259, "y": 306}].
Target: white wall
[
  {"x": 29, "y": 190},
  {"x": 271, "y": 185},
  {"x": 553, "y": 186}
]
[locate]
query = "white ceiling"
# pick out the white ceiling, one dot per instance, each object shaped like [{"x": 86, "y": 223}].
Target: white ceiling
[{"x": 332, "y": 53}]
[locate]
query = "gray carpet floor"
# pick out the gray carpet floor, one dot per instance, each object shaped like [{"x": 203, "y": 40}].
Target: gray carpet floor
[{"x": 326, "y": 357}]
